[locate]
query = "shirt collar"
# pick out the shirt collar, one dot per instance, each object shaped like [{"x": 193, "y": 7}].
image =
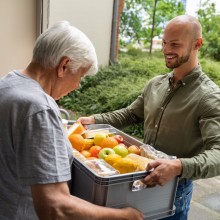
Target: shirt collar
[{"x": 195, "y": 73}]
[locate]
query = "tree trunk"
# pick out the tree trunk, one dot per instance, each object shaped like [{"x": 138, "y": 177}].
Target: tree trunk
[{"x": 153, "y": 24}]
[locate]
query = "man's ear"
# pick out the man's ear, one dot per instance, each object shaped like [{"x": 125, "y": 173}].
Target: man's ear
[
  {"x": 62, "y": 67},
  {"x": 198, "y": 43}
]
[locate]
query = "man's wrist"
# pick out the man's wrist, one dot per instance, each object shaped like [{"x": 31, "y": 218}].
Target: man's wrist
[{"x": 179, "y": 167}]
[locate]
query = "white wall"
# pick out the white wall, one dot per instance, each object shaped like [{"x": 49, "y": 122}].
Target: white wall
[
  {"x": 17, "y": 33},
  {"x": 93, "y": 17},
  {"x": 19, "y": 23}
]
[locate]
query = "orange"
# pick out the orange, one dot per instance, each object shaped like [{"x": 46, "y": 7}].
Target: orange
[
  {"x": 109, "y": 142},
  {"x": 77, "y": 141},
  {"x": 76, "y": 128},
  {"x": 85, "y": 153}
]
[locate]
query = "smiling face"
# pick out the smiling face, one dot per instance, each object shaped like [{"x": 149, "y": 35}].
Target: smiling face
[
  {"x": 177, "y": 45},
  {"x": 181, "y": 42}
]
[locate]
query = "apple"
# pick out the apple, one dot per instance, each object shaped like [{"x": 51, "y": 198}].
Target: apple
[
  {"x": 118, "y": 138},
  {"x": 121, "y": 150},
  {"x": 94, "y": 150},
  {"x": 99, "y": 137},
  {"x": 104, "y": 152},
  {"x": 134, "y": 150}
]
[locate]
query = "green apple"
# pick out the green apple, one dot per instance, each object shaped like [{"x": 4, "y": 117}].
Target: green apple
[
  {"x": 104, "y": 152},
  {"x": 121, "y": 150}
]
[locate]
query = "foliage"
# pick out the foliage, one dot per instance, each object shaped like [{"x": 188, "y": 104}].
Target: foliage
[
  {"x": 210, "y": 22},
  {"x": 211, "y": 68},
  {"x": 138, "y": 22},
  {"x": 116, "y": 86},
  {"x": 132, "y": 20},
  {"x": 104, "y": 92}
]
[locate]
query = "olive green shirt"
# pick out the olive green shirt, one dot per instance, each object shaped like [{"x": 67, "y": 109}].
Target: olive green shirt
[{"x": 183, "y": 121}]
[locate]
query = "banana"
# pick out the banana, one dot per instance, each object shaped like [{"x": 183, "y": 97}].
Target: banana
[{"x": 88, "y": 143}]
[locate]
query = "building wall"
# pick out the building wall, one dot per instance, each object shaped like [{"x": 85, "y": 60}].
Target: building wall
[
  {"x": 93, "y": 17},
  {"x": 18, "y": 33},
  {"x": 20, "y": 20}
]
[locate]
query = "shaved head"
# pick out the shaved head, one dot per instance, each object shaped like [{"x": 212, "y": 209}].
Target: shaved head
[
  {"x": 181, "y": 41},
  {"x": 187, "y": 23}
]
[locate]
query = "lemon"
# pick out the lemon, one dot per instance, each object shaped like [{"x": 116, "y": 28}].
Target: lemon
[
  {"x": 125, "y": 165},
  {"x": 112, "y": 158},
  {"x": 99, "y": 137}
]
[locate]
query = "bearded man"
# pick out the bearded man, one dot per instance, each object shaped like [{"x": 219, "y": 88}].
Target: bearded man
[{"x": 181, "y": 115}]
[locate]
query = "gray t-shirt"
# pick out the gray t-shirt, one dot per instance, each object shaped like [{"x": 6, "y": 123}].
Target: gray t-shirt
[{"x": 34, "y": 148}]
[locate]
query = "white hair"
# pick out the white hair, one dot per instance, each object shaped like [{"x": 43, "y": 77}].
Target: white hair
[{"x": 63, "y": 40}]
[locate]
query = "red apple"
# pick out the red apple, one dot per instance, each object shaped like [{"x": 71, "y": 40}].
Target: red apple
[
  {"x": 118, "y": 138},
  {"x": 134, "y": 149},
  {"x": 94, "y": 150}
]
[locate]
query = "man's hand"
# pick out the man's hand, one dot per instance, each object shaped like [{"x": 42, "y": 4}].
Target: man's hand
[
  {"x": 86, "y": 120},
  {"x": 162, "y": 171}
]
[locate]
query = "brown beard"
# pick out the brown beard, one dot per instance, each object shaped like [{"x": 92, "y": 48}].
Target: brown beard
[{"x": 180, "y": 60}]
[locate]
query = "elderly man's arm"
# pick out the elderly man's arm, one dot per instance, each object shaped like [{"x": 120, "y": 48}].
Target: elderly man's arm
[{"x": 53, "y": 201}]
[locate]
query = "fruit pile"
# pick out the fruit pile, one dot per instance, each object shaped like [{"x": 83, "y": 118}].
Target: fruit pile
[{"x": 101, "y": 144}]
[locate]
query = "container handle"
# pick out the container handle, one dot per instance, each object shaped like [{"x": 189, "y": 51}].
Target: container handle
[{"x": 138, "y": 185}]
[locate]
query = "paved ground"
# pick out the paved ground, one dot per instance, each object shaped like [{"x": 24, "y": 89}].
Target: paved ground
[{"x": 205, "y": 203}]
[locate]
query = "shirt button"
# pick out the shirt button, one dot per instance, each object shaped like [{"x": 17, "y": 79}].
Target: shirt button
[
  {"x": 156, "y": 126},
  {"x": 162, "y": 108},
  {"x": 168, "y": 90},
  {"x": 184, "y": 84}
]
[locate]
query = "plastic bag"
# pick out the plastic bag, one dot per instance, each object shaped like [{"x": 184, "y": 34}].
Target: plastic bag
[{"x": 151, "y": 153}]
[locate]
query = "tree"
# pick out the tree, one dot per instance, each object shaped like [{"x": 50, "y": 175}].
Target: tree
[
  {"x": 132, "y": 21},
  {"x": 210, "y": 21},
  {"x": 153, "y": 25},
  {"x": 142, "y": 20}
]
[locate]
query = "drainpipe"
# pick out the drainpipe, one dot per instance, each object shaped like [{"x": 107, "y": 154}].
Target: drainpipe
[
  {"x": 43, "y": 15},
  {"x": 114, "y": 32}
]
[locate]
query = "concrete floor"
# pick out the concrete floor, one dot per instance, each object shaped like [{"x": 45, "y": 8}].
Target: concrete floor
[{"x": 205, "y": 204}]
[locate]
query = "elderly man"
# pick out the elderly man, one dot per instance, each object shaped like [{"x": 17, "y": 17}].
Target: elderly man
[
  {"x": 35, "y": 154},
  {"x": 181, "y": 114}
]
